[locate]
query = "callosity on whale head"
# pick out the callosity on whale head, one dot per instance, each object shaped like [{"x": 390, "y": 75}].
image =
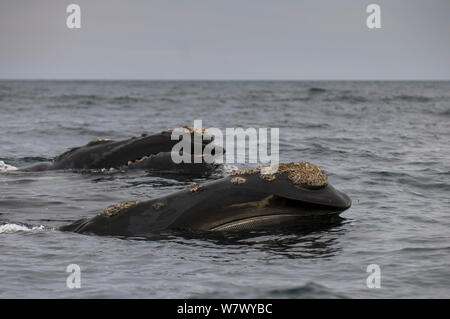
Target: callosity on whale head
[{"x": 298, "y": 193}]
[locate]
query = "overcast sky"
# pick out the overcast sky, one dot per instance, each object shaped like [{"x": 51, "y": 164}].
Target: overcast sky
[{"x": 225, "y": 39}]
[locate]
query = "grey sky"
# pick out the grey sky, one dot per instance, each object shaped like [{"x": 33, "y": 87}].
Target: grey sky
[{"x": 226, "y": 39}]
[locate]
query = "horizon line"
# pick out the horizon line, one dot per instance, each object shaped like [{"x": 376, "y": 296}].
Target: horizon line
[{"x": 226, "y": 79}]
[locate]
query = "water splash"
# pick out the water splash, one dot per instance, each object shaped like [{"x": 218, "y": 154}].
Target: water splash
[
  {"x": 13, "y": 228},
  {"x": 5, "y": 167}
]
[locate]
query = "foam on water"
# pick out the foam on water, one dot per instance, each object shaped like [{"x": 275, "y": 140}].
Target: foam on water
[
  {"x": 13, "y": 228},
  {"x": 5, "y": 167}
]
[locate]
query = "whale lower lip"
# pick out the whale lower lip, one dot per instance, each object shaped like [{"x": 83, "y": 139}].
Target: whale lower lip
[{"x": 256, "y": 222}]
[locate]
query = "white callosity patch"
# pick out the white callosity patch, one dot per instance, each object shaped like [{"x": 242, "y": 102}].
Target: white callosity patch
[{"x": 300, "y": 173}]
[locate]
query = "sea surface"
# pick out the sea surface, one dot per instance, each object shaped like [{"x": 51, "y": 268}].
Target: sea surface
[{"x": 385, "y": 144}]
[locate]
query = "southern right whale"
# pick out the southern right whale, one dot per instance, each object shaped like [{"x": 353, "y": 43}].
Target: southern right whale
[
  {"x": 151, "y": 152},
  {"x": 298, "y": 193}
]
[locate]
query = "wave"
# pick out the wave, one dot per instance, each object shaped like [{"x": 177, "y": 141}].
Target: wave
[
  {"x": 316, "y": 90},
  {"x": 445, "y": 113},
  {"x": 14, "y": 228},
  {"x": 308, "y": 290},
  {"x": 414, "y": 98},
  {"x": 408, "y": 98},
  {"x": 347, "y": 98},
  {"x": 353, "y": 99},
  {"x": 124, "y": 100},
  {"x": 74, "y": 100},
  {"x": 79, "y": 96},
  {"x": 293, "y": 99}
]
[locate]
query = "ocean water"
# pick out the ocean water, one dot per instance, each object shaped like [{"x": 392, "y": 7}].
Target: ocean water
[{"x": 385, "y": 144}]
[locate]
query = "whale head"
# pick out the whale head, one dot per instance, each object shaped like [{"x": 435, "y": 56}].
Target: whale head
[
  {"x": 298, "y": 194},
  {"x": 104, "y": 153}
]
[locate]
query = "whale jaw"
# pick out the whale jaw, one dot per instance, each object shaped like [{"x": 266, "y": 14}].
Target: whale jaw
[{"x": 272, "y": 212}]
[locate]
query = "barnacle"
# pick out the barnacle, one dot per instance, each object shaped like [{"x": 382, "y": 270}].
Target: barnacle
[{"x": 116, "y": 209}]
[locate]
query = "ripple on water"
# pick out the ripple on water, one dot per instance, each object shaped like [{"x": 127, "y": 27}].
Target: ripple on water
[{"x": 385, "y": 144}]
